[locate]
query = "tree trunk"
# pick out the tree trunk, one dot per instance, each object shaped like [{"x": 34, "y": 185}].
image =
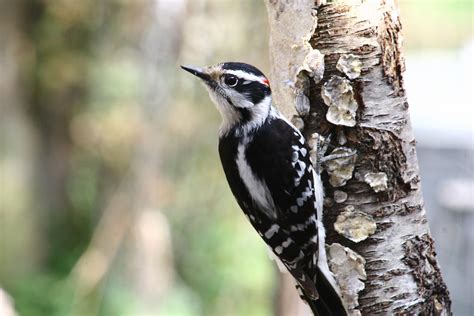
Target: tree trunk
[{"x": 337, "y": 70}]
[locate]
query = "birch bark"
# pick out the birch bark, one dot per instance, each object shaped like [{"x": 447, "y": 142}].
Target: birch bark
[{"x": 337, "y": 69}]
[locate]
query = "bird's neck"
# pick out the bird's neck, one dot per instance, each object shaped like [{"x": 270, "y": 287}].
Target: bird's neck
[{"x": 248, "y": 120}]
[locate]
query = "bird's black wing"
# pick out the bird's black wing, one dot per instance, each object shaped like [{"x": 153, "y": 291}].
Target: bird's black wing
[{"x": 279, "y": 159}]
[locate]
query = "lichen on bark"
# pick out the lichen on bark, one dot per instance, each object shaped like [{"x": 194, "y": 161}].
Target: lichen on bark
[
  {"x": 355, "y": 225},
  {"x": 349, "y": 271}
]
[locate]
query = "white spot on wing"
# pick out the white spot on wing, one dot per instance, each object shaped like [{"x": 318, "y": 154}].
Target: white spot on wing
[
  {"x": 287, "y": 242},
  {"x": 297, "y": 227},
  {"x": 302, "y": 165},
  {"x": 271, "y": 231},
  {"x": 279, "y": 250},
  {"x": 306, "y": 194},
  {"x": 301, "y": 140},
  {"x": 300, "y": 174}
]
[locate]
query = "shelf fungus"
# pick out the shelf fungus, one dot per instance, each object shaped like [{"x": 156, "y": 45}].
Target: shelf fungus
[
  {"x": 312, "y": 67},
  {"x": 340, "y": 196},
  {"x": 355, "y": 225},
  {"x": 339, "y": 164},
  {"x": 377, "y": 181},
  {"x": 349, "y": 270},
  {"x": 350, "y": 65},
  {"x": 341, "y": 137},
  {"x": 301, "y": 94},
  {"x": 338, "y": 95}
]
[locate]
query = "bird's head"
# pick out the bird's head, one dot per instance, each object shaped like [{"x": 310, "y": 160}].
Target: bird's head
[{"x": 240, "y": 92}]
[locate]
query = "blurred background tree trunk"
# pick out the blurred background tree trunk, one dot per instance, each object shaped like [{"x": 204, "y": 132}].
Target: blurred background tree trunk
[
  {"x": 57, "y": 52},
  {"x": 345, "y": 59},
  {"x": 131, "y": 219}
]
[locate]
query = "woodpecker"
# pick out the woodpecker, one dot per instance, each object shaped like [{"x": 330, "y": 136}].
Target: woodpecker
[{"x": 267, "y": 165}]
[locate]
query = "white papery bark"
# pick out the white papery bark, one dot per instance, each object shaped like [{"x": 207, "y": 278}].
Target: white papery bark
[{"x": 338, "y": 69}]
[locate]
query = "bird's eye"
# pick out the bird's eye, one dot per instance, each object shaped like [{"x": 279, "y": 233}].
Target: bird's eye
[{"x": 231, "y": 80}]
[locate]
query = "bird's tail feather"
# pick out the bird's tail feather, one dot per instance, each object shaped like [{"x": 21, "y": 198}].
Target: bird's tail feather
[{"x": 329, "y": 302}]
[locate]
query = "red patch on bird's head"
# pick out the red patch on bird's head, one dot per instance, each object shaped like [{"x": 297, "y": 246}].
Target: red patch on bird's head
[{"x": 265, "y": 81}]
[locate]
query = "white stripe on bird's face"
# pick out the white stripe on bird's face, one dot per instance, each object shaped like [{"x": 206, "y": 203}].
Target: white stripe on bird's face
[{"x": 247, "y": 76}]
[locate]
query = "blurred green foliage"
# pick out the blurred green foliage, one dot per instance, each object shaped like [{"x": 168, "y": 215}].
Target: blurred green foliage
[
  {"x": 83, "y": 81},
  {"x": 72, "y": 133}
]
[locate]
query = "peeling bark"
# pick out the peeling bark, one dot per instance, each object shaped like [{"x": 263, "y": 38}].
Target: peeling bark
[{"x": 378, "y": 207}]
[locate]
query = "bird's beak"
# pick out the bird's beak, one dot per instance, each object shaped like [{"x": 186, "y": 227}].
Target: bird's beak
[{"x": 198, "y": 72}]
